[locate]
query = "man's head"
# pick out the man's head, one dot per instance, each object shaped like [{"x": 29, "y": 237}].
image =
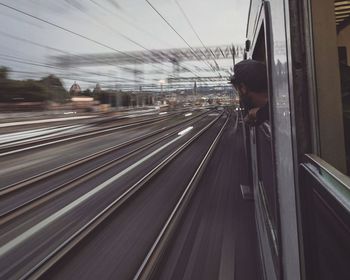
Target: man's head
[{"x": 250, "y": 80}]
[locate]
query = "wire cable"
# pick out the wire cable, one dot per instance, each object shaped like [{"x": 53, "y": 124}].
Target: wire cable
[
  {"x": 87, "y": 38},
  {"x": 183, "y": 39},
  {"x": 196, "y": 33},
  {"x": 135, "y": 42},
  {"x": 51, "y": 48},
  {"x": 44, "y": 65},
  {"x": 69, "y": 31}
]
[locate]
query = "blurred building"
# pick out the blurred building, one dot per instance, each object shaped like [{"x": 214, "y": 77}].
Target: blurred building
[
  {"x": 97, "y": 89},
  {"x": 75, "y": 89}
]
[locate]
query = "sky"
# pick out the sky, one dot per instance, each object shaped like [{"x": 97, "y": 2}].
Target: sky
[{"x": 124, "y": 25}]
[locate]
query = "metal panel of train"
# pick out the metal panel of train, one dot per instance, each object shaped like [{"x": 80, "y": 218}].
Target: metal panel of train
[{"x": 300, "y": 156}]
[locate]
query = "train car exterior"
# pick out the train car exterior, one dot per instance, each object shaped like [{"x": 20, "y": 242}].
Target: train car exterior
[{"x": 299, "y": 158}]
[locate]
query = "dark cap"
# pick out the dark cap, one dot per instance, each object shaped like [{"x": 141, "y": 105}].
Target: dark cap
[{"x": 252, "y": 73}]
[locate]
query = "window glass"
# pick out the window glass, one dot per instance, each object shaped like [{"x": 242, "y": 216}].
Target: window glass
[
  {"x": 331, "y": 36},
  {"x": 265, "y": 159},
  {"x": 342, "y": 14}
]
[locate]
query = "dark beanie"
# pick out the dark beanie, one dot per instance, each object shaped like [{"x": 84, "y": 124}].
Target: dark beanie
[{"x": 252, "y": 73}]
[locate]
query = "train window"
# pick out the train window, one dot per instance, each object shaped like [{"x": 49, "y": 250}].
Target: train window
[
  {"x": 264, "y": 146},
  {"x": 260, "y": 49},
  {"x": 331, "y": 38},
  {"x": 265, "y": 183}
]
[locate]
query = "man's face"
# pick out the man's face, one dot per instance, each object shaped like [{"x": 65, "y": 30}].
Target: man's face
[{"x": 245, "y": 96}]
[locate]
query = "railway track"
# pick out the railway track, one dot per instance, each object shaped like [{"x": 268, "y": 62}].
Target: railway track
[
  {"x": 43, "y": 197},
  {"x": 158, "y": 249},
  {"x": 34, "y": 179},
  {"x": 9, "y": 149},
  {"x": 68, "y": 245}
]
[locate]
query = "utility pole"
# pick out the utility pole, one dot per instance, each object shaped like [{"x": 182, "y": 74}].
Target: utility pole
[
  {"x": 116, "y": 97},
  {"x": 233, "y": 52}
]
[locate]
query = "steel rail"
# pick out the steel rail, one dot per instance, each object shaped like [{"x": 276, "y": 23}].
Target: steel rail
[
  {"x": 46, "y": 132},
  {"x": 46, "y": 174},
  {"x": 52, "y": 258},
  {"x": 162, "y": 241},
  {"x": 62, "y": 139},
  {"x": 31, "y": 204},
  {"x": 13, "y": 144}
]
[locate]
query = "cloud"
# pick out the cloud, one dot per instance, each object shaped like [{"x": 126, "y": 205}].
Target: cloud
[
  {"x": 76, "y": 4},
  {"x": 115, "y": 4}
]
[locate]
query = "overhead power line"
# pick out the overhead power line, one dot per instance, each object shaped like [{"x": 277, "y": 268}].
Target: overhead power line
[
  {"x": 17, "y": 38},
  {"x": 40, "y": 75},
  {"x": 183, "y": 39},
  {"x": 130, "y": 22},
  {"x": 39, "y": 64},
  {"x": 65, "y": 29},
  {"x": 79, "y": 35},
  {"x": 83, "y": 36},
  {"x": 45, "y": 65},
  {"x": 133, "y": 41},
  {"x": 196, "y": 33},
  {"x": 68, "y": 31}
]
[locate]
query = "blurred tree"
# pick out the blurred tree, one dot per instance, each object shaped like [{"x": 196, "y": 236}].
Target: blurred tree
[
  {"x": 4, "y": 73},
  {"x": 87, "y": 92},
  {"x": 49, "y": 88},
  {"x": 55, "y": 89},
  {"x": 23, "y": 91}
]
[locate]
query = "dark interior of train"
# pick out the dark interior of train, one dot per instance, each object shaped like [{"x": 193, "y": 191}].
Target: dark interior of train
[
  {"x": 331, "y": 39},
  {"x": 330, "y": 22},
  {"x": 342, "y": 14},
  {"x": 325, "y": 216}
]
